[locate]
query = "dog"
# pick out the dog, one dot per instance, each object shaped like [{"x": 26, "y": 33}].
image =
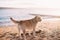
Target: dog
[{"x": 27, "y": 24}]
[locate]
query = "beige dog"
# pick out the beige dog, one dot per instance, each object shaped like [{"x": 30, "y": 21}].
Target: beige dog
[{"x": 27, "y": 24}]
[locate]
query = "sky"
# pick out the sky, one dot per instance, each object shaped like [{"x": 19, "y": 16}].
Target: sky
[
  {"x": 30, "y": 3},
  {"x": 46, "y": 6}
]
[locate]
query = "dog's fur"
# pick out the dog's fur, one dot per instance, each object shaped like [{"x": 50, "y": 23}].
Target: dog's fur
[{"x": 27, "y": 24}]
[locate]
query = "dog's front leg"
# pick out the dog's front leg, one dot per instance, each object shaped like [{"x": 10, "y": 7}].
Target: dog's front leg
[{"x": 19, "y": 31}]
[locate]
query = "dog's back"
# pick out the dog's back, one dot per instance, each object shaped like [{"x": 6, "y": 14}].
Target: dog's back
[{"x": 29, "y": 24}]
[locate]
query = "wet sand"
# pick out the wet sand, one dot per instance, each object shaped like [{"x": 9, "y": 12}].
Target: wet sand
[{"x": 46, "y": 30}]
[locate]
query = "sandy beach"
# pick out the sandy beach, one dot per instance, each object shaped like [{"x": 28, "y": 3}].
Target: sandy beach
[{"x": 47, "y": 29}]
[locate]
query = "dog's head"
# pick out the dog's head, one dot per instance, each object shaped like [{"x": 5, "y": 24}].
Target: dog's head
[{"x": 38, "y": 18}]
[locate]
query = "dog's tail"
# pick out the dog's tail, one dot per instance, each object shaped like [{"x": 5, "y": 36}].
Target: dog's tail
[{"x": 13, "y": 20}]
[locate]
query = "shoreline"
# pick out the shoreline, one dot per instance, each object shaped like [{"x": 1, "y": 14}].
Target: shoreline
[
  {"x": 44, "y": 25},
  {"x": 47, "y": 31}
]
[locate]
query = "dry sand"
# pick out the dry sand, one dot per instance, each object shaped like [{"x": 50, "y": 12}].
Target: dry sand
[{"x": 47, "y": 29}]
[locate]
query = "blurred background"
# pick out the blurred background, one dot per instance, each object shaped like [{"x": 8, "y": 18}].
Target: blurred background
[{"x": 20, "y": 9}]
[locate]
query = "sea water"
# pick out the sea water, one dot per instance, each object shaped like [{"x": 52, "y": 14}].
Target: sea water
[{"x": 17, "y": 14}]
